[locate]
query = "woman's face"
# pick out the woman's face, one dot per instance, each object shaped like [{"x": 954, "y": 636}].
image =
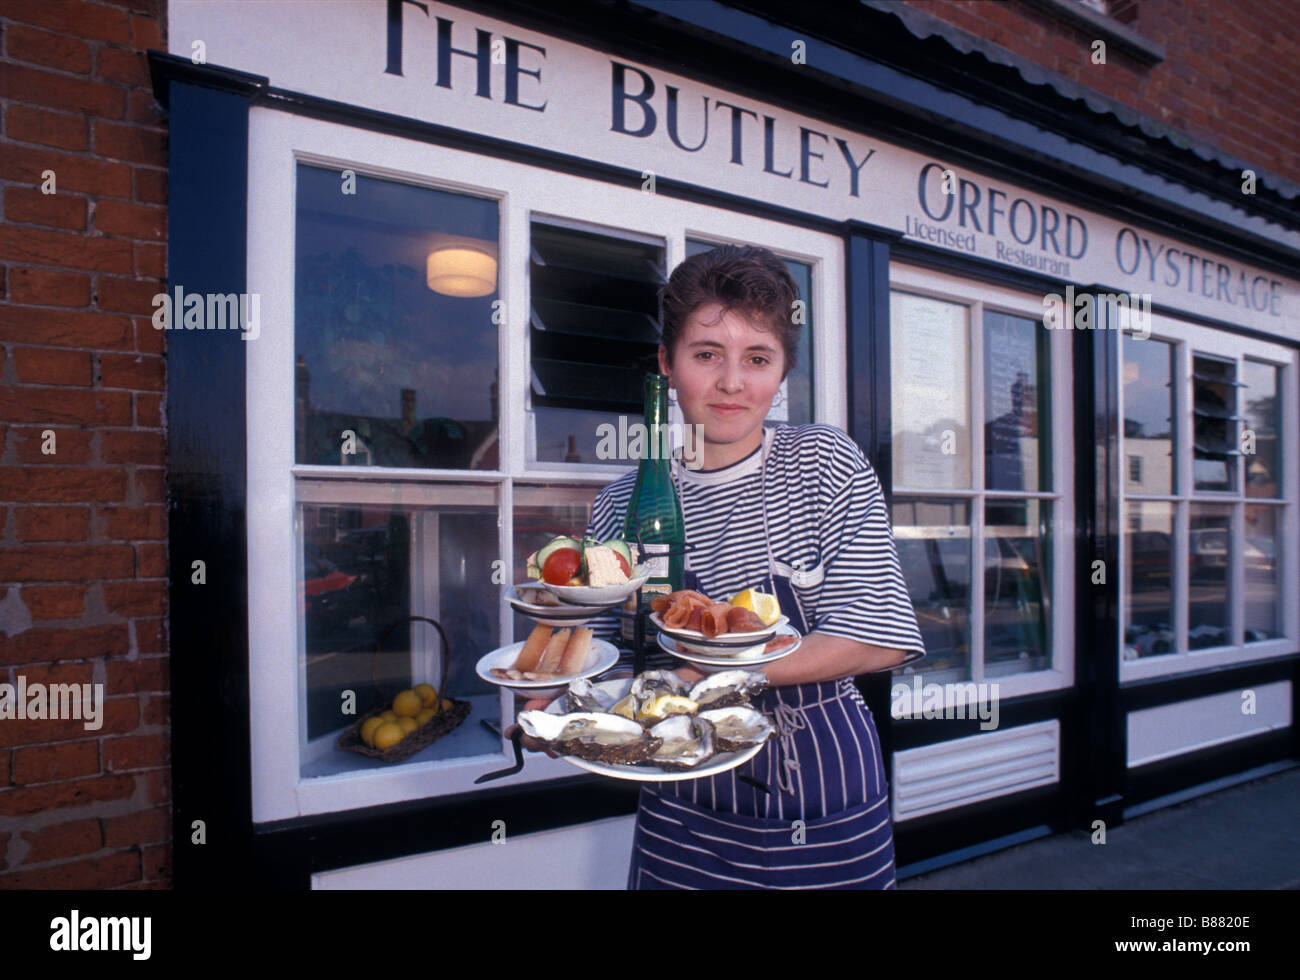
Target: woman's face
[{"x": 726, "y": 370}]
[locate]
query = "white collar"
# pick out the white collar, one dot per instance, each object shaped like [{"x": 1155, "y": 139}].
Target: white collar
[{"x": 738, "y": 470}]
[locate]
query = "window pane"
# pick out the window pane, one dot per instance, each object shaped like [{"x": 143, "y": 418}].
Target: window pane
[
  {"x": 1261, "y": 404},
  {"x": 395, "y": 338},
  {"x": 368, "y": 567},
  {"x": 1015, "y": 404},
  {"x": 1017, "y": 583},
  {"x": 930, "y": 398},
  {"x": 1148, "y": 415},
  {"x": 540, "y": 513},
  {"x": 1214, "y": 417},
  {"x": 1148, "y": 575},
  {"x": 795, "y": 404},
  {"x": 1263, "y": 558},
  {"x": 933, "y": 540},
  {"x": 1210, "y": 545}
]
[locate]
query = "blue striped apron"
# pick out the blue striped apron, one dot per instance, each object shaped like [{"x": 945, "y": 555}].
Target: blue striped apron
[{"x": 825, "y": 823}]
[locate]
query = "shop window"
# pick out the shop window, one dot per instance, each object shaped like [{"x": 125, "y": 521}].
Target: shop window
[
  {"x": 394, "y": 334},
  {"x": 1203, "y": 558},
  {"x": 977, "y": 488},
  {"x": 593, "y": 335}
]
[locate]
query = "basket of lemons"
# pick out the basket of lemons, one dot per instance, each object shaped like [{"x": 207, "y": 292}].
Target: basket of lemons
[{"x": 415, "y": 718}]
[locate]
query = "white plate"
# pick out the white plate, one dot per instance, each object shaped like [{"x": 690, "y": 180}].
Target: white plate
[
  {"x": 744, "y": 657},
  {"x": 697, "y": 641},
  {"x": 607, "y": 595},
  {"x": 602, "y": 656},
  {"x": 563, "y": 614},
  {"x": 643, "y": 773}
]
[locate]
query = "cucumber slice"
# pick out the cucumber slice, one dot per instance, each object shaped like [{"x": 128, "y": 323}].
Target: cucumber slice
[
  {"x": 555, "y": 545},
  {"x": 621, "y": 547}
]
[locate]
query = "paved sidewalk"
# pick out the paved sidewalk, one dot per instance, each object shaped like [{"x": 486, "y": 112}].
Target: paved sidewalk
[{"x": 1242, "y": 837}]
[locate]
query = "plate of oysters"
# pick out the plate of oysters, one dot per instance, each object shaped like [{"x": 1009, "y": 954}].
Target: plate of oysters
[{"x": 655, "y": 727}]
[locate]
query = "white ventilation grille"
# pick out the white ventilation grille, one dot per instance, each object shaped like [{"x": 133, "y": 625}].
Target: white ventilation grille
[{"x": 965, "y": 770}]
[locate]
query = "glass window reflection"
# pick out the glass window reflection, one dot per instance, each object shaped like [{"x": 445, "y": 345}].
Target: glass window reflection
[
  {"x": 1017, "y": 583},
  {"x": 1148, "y": 415},
  {"x": 933, "y": 540},
  {"x": 1015, "y": 404}
]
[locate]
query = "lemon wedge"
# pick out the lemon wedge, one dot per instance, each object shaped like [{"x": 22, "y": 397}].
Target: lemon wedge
[
  {"x": 666, "y": 705},
  {"x": 761, "y": 604}
]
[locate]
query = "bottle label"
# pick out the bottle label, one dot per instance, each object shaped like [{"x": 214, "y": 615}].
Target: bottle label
[{"x": 655, "y": 560}]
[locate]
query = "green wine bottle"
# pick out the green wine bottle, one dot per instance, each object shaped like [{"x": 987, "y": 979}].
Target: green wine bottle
[{"x": 654, "y": 514}]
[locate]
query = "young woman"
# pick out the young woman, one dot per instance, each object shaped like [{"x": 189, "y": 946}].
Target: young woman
[{"x": 795, "y": 511}]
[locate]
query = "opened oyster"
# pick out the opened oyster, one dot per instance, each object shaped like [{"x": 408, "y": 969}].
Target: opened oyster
[
  {"x": 583, "y": 695},
  {"x": 593, "y": 736},
  {"x": 727, "y": 688},
  {"x": 687, "y": 742},
  {"x": 647, "y": 689},
  {"x": 738, "y": 727}
]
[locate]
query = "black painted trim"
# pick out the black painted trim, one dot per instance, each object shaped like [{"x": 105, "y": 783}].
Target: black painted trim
[
  {"x": 935, "y": 834},
  {"x": 1193, "y": 769},
  {"x": 166, "y": 69}
]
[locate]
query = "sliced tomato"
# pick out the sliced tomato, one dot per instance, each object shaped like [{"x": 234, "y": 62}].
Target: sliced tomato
[
  {"x": 627, "y": 570},
  {"x": 561, "y": 565}
]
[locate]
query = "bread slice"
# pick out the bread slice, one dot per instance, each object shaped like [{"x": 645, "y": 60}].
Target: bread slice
[
  {"x": 575, "y": 654},
  {"x": 554, "y": 653},
  {"x": 530, "y": 654}
]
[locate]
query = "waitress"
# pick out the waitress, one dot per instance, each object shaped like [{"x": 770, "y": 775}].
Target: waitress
[{"x": 795, "y": 511}]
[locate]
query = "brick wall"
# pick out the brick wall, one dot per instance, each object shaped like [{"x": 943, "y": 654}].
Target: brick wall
[
  {"x": 83, "y": 531},
  {"x": 1230, "y": 75}
]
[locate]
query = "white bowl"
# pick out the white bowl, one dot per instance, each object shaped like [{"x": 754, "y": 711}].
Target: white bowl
[
  {"x": 602, "y": 656},
  {"x": 713, "y": 660},
  {"x": 698, "y": 642},
  {"x": 561, "y": 614},
  {"x": 605, "y": 596}
]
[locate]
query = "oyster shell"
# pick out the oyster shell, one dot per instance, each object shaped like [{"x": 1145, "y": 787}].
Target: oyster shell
[
  {"x": 648, "y": 687},
  {"x": 594, "y": 736},
  {"x": 738, "y": 727},
  {"x": 727, "y": 688},
  {"x": 687, "y": 741},
  {"x": 583, "y": 695}
]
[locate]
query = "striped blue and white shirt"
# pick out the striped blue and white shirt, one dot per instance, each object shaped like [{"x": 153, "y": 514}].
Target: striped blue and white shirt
[{"x": 825, "y": 511}]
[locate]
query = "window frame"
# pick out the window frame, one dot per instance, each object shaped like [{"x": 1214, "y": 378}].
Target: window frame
[
  {"x": 278, "y": 143},
  {"x": 1188, "y": 340},
  {"x": 978, "y": 296}
]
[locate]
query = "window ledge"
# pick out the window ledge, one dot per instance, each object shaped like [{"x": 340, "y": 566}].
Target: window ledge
[{"x": 1111, "y": 31}]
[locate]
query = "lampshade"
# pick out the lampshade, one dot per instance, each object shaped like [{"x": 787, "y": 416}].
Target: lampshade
[{"x": 460, "y": 271}]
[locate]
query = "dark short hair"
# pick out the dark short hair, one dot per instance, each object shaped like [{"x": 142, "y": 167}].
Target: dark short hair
[{"x": 745, "y": 278}]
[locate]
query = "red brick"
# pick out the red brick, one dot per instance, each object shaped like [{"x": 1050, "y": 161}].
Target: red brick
[
  {"x": 52, "y": 763},
  {"x": 133, "y": 523},
  {"x": 143, "y": 108},
  {"x": 71, "y": 446},
  {"x": 151, "y": 562},
  {"x": 91, "y": 19},
  {"x": 28, "y": 124},
  {"x": 39, "y": 247},
  {"x": 51, "y": 602},
  {"x": 137, "y": 676},
  {"x": 43, "y": 48},
  {"x": 54, "y": 563},
  {"x": 93, "y": 873},
  {"x": 131, "y": 220},
  {"x": 62, "y": 484},
  {"x": 145, "y": 447},
  {"x": 123, "y": 142},
  {"x": 5, "y": 757},
  {"x": 52, "y": 406},
  {"x": 53, "y": 523},
  {"x": 157, "y": 710},
  {"x": 136, "y": 752},
  {"x": 57, "y": 673},
  {"x": 150, "y": 185},
  {"x": 27, "y": 165},
  {"x": 136, "y": 598},
  {"x": 146, "y": 33},
  {"x": 55, "y": 796},
  {"x": 151, "y": 260},
  {"x": 42, "y": 287},
  {"x": 46, "y": 365},
  {"x": 36, "y": 732},
  {"x": 63, "y": 840},
  {"x": 66, "y": 329},
  {"x": 149, "y": 485},
  {"x": 28, "y": 206},
  {"x": 148, "y": 338},
  {"x": 156, "y": 861},
  {"x": 57, "y": 91},
  {"x": 142, "y": 827},
  {"x": 148, "y": 415},
  {"x": 134, "y": 296},
  {"x": 120, "y": 65},
  {"x": 159, "y": 783}
]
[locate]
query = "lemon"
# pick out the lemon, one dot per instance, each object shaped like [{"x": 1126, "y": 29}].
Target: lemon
[
  {"x": 388, "y": 716},
  {"x": 368, "y": 729},
  {"x": 761, "y": 604},
  {"x": 407, "y": 724},
  {"x": 445, "y": 704},
  {"x": 428, "y": 694},
  {"x": 408, "y": 704},
  {"x": 387, "y": 735},
  {"x": 426, "y": 716},
  {"x": 665, "y": 705}
]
